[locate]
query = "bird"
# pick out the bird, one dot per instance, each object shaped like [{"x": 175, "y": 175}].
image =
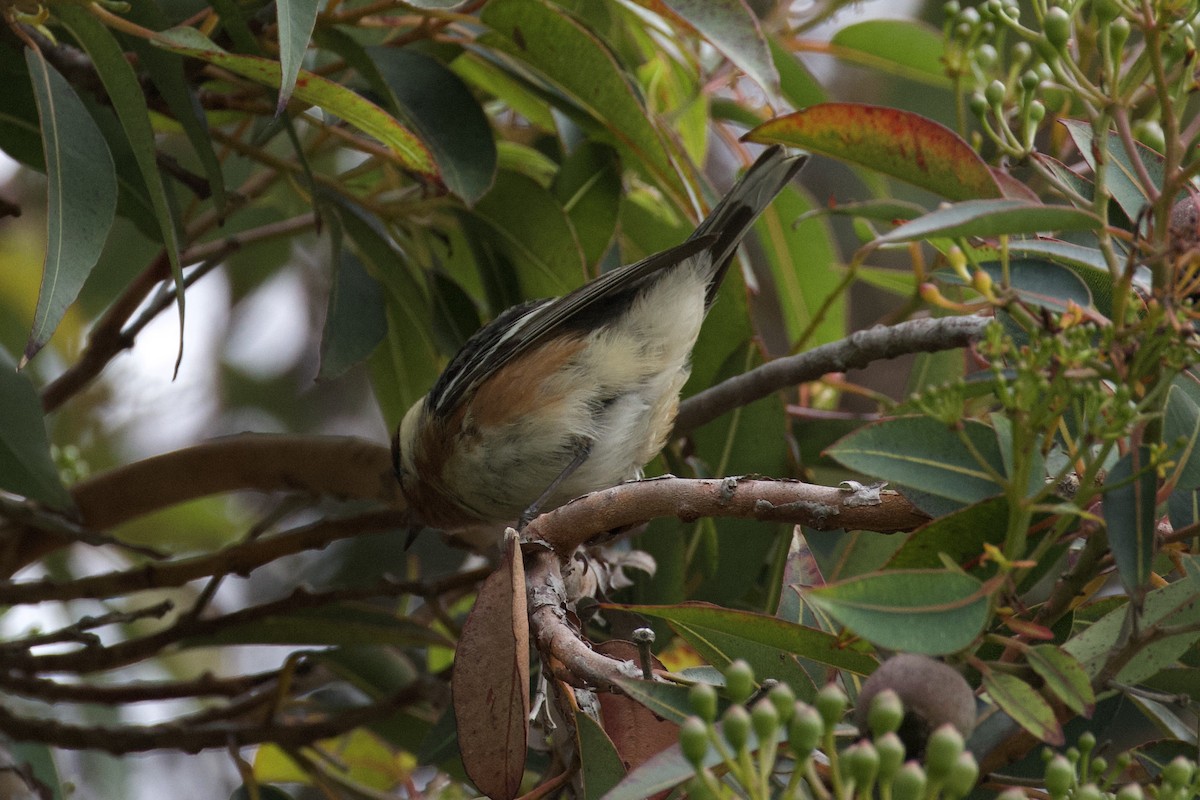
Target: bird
[{"x": 559, "y": 397}]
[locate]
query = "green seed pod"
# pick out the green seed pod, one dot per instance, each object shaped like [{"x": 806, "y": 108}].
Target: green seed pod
[
  {"x": 1099, "y": 765},
  {"x": 944, "y": 748},
  {"x": 986, "y": 56},
  {"x": 861, "y": 762},
  {"x": 1059, "y": 776},
  {"x": 693, "y": 741},
  {"x": 909, "y": 783},
  {"x": 784, "y": 700},
  {"x": 739, "y": 681},
  {"x": 994, "y": 93},
  {"x": 831, "y": 704},
  {"x": 1106, "y": 10},
  {"x": 891, "y": 756},
  {"x": 702, "y": 697},
  {"x": 1087, "y": 742},
  {"x": 1056, "y": 26},
  {"x": 1150, "y": 133},
  {"x": 765, "y": 720},
  {"x": 1011, "y": 794},
  {"x": 1029, "y": 80},
  {"x": 969, "y": 17},
  {"x": 1089, "y": 791},
  {"x": 699, "y": 789},
  {"x": 886, "y": 712},
  {"x": 1037, "y": 111},
  {"x": 805, "y": 730},
  {"x": 1118, "y": 32},
  {"x": 1130, "y": 791},
  {"x": 1179, "y": 772},
  {"x": 1021, "y": 52},
  {"x": 977, "y": 104},
  {"x": 951, "y": 9},
  {"x": 735, "y": 725},
  {"x": 962, "y": 777}
]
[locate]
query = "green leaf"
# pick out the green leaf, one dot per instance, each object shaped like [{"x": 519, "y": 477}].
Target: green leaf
[
  {"x": 991, "y": 218},
  {"x": 296, "y": 19},
  {"x": 588, "y": 185},
  {"x": 804, "y": 263},
  {"x": 1065, "y": 677},
  {"x": 926, "y": 455},
  {"x": 1173, "y": 606},
  {"x": 731, "y": 27},
  {"x": 356, "y": 321},
  {"x": 933, "y": 612},
  {"x": 600, "y": 765},
  {"x": 1027, "y": 708},
  {"x": 1181, "y": 429},
  {"x": 25, "y": 464},
  {"x": 667, "y": 700},
  {"x": 527, "y": 223},
  {"x": 1129, "y": 517},
  {"x": 1086, "y": 262},
  {"x": 773, "y": 632},
  {"x": 494, "y": 80},
  {"x": 165, "y": 71},
  {"x": 797, "y": 85},
  {"x": 1041, "y": 283},
  {"x": 82, "y": 190},
  {"x": 576, "y": 63},
  {"x": 959, "y": 535},
  {"x": 436, "y": 104},
  {"x": 906, "y": 48},
  {"x": 898, "y": 143},
  {"x": 1121, "y": 177},
  {"x": 344, "y": 624},
  {"x": 369, "y": 118},
  {"x": 125, "y": 92}
]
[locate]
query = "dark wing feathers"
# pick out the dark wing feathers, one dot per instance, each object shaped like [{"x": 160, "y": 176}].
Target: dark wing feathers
[{"x": 523, "y": 327}]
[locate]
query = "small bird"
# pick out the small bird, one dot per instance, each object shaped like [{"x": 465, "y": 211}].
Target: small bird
[{"x": 559, "y": 397}]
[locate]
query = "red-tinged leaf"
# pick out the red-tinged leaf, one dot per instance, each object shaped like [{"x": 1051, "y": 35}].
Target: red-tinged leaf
[
  {"x": 1029, "y": 629},
  {"x": 1027, "y": 708},
  {"x": 491, "y": 681},
  {"x": 1065, "y": 677},
  {"x": 897, "y": 143},
  {"x": 636, "y": 731},
  {"x": 369, "y": 118},
  {"x": 1012, "y": 188}
]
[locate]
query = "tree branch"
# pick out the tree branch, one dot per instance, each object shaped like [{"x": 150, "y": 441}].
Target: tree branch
[{"x": 855, "y": 351}]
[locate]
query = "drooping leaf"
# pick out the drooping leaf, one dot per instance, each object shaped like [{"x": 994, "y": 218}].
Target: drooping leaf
[
  {"x": 576, "y": 63},
  {"x": 1129, "y": 518},
  {"x": 125, "y": 92},
  {"x": 369, "y": 118},
  {"x": 1064, "y": 677},
  {"x": 798, "y": 86},
  {"x": 82, "y": 194},
  {"x": 440, "y": 108},
  {"x": 991, "y": 218},
  {"x": 959, "y": 535},
  {"x": 731, "y": 27},
  {"x": 898, "y": 143},
  {"x": 1023, "y": 704},
  {"x": 26, "y": 468},
  {"x": 901, "y": 47},
  {"x": 296, "y": 19},
  {"x": 491, "y": 680},
  {"x": 934, "y": 612},
  {"x": 356, "y": 321}
]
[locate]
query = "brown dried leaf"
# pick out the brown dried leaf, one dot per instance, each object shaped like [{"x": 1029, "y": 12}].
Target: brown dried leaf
[
  {"x": 491, "y": 680},
  {"x": 636, "y": 731}
]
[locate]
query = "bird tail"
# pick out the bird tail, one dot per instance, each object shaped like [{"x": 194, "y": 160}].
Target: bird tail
[{"x": 736, "y": 212}]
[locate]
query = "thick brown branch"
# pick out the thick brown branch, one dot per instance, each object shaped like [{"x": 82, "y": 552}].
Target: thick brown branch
[
  {"x": 855, "y": 351},
  {"x": 819, "y": 507},
  {"x": 207, "y": 685}
]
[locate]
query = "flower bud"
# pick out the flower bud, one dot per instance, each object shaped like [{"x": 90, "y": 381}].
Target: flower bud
[
  {"x": 693, "y": 741},
  {"x": 702, "y": 697},
  {"x": 739, "y": 681}
]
